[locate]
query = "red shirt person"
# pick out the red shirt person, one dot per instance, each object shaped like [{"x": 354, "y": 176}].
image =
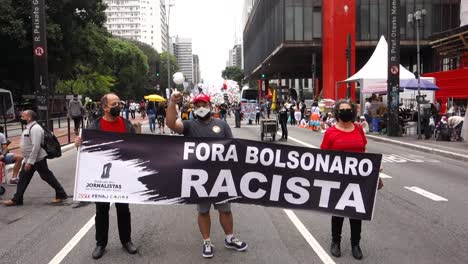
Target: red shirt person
[
  {"x": 111, "y": 122},
  {"x": 345, "y": 136}
]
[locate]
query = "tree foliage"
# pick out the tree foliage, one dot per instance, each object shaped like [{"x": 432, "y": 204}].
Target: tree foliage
[
  {"x": 233, "y": 73},
  {"x": 83, "y": 57}
]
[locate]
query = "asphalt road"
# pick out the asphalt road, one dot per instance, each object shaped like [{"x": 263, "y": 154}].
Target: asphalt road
[{"x": 409, "y": 225}]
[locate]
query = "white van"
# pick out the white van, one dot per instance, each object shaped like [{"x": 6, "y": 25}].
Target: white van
[{"x": 7, "y": 108}]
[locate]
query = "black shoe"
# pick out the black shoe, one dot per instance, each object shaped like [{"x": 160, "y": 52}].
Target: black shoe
[
  {"x": 357, "y": 253},
  {"x": 98, "y": 252},
  {"x": 131, "y": 249},
  {"x": 336, "y": 250}
]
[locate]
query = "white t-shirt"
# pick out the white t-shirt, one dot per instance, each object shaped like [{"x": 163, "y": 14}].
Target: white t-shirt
[
  {"x": 3, "y": 141},
  {"x": 367, "y": 108}
]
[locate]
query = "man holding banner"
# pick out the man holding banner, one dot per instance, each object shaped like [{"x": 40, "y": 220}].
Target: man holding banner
[
  {"x": 111, "y": 122},
  {"x": 206, "y": 126}
]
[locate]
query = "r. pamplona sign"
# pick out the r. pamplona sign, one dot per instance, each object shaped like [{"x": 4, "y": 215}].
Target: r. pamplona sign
[{"x": 176, "y": 170}]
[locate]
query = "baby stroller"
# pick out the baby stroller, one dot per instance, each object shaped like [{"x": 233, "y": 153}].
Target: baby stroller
[{"x": 2, "y": 174}]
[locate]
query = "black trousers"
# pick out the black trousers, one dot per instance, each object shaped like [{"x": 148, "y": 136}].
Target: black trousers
[
  {"x": 337, "y": 225},
  {"x": 102, "y": 223},
  {"x": 132, "y": 112},
  {"x": 238, "y": 120},
  {"x": 284, "y": 128},
  {"x": 77, "y": 121},
  {"x": 45, "y": 174},
  {"x": 257, "y": 118}
]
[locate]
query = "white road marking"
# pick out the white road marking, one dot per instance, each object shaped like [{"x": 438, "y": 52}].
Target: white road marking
[
  {"x": 73, "y": 242},
  {"x": 299, "y": 141},
  {"x": 427, "y": 194},
  {"x": 314, "y": 244},
  {"x": 384, "y": 176}
]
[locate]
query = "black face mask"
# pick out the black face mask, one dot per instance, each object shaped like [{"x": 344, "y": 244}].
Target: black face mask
[
  {"x": 346, "y": 115},
  {"x": 23, "y": 122},
  {"x": 115, "y": 111}
]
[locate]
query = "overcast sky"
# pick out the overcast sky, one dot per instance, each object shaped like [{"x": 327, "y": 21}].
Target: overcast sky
[{"x": 212, "y": 25}]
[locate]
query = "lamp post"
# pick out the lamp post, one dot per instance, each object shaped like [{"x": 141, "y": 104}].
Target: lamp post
[
  {"x": 168, "y": 59},
  {"x": 416, "y": 18},
  {"x": 348, "y": 57}
]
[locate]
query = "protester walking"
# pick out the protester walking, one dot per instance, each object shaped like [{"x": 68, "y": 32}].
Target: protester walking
[
  {"x": 238, "y": 114},
  {"x": 10, "y": 158},
  {"x": 283, "y": 120},
  {"x": 161, "y": 116},
  {"x": 75, "y": 112},
  {"x": 35, "y": 160},
  {"x": 133, "y": 107},
  {"x": 111, "y": 122},
  {"x": 206, "y": 126},
  {"x": 345, "y": 136},
  {"x": 152, "y": 116}
]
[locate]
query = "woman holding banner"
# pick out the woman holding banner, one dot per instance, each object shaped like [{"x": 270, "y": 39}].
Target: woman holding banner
[{"x": 345, "y": 136}]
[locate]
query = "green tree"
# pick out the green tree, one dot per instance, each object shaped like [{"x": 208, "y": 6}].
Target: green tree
[
  {"x": 174, "y": 68},
  {"x": 130, "y": 67},
  {"x": 233, "y": 73},
  {"x": 68, "y": 22},
  {"x": 86, "y": 82},
  {"x": 154, "y": 63}
]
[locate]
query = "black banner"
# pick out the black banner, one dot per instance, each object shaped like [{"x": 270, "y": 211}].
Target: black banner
[
  {"x": 178, "y": 170},
  {"x": 393, "y": 80},
  {"x": 41, "y": 72}
]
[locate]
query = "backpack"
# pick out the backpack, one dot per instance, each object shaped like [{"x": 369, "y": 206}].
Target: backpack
[{"x": 50, "y": 143}]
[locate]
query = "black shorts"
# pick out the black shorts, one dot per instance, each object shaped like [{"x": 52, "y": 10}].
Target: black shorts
[{"x": 161, "y": 120}]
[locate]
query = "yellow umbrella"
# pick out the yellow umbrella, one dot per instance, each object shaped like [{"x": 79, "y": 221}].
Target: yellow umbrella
[{"x": 155, "y": 98}]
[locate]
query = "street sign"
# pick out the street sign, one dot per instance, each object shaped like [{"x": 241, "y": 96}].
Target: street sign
[
  {"x": 41, "y": 71},
  {"x": 39, "y": 51},
  {"x": 393, "y": 78}
]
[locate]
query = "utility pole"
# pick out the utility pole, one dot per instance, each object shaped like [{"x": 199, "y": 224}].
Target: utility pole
[
  {"x": 41, "y": 71},
  {"x": 393, "y": 74},
  {"x": 168, "y": 59},
  {"x": 348, "y": 65},
  {"x": 418, "y": 16}
]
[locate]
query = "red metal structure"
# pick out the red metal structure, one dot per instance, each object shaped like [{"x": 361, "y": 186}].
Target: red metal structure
[{"x": 339, "y": 21}]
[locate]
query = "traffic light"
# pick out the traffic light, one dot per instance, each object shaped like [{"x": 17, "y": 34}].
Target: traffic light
[{"x": 263, "y": 76}]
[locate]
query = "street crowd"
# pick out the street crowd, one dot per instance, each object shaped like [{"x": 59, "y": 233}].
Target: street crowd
[{"x": 343, "y": 130}]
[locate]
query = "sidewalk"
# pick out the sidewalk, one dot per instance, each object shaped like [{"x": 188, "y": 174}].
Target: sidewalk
[
  {"x": 454, "y": 150},
  {"x": 62, "y": 135}
]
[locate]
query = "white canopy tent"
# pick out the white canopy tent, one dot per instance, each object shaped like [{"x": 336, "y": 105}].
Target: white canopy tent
[{"x": 373, "y": 76}]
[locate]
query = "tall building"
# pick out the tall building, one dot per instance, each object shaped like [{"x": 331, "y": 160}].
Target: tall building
[
  {"x": 183, "y": 52},
  {"x": 235, "y": 56},
  {"x": 196, "y": 69},
  {"x": 140, "y": 20},
  {"x": 303, "y": 45}
]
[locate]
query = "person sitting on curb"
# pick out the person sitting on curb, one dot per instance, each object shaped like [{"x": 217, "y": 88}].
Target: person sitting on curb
[{"x": 10, "y": 158}]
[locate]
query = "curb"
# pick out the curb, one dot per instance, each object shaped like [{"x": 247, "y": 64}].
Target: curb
[
  {"x": 65, "y": 148},
  {"x": 438, "y": 152}
]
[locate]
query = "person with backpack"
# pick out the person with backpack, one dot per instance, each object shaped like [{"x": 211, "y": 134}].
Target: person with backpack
[
  {"x": 35, "y": 156},
  {"x": 75, "y": 112}
]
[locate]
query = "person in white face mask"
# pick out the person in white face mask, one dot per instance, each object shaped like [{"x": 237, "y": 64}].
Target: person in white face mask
[{"x": 206, "y": 126}]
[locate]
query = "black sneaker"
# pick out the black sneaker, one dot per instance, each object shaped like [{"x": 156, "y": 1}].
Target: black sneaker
[
  {"x": 208, "y": 249},
  {"x": 235, "y": 244}
]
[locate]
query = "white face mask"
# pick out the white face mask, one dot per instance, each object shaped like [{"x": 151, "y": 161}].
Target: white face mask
[{"x": 202, "y": 112}]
